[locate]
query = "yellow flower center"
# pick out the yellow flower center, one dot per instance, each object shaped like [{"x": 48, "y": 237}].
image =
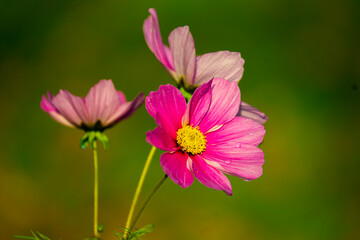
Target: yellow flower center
[{"x": 191, "y": 140}]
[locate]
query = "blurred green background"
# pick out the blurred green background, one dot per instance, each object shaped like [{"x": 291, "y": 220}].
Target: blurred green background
[{"x": 302, "y": 69}]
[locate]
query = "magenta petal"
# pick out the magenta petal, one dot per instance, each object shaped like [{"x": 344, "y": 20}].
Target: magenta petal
[
  {"x": 199, "y": 104},
  {"x": 71, "y": 107},
  {"x": 160, "y": 139},
  {"x": 101, "y": 101},
  {"x": 225, "y": 102},
  {"x": 48, "y": 107},
  {"x": 244, "y": 161},
  {"x": 124, "y": 110},
  {"x": 46, "y": 104},
  {"x": 223, "y": 64},
  {"x": 250, "y": 112},
  {"x": 153, "y": 39},
  {"x": 167, "y": 106},
  {"x": 210, "y": 176},
  {"x": 183, "y": 51},
  {"x": 175, "y": 166},
  {"x": 238, "y": 131}
]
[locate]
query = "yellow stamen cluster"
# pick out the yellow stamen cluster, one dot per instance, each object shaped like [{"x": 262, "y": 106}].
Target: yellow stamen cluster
[{"x": 191, "y": 140}]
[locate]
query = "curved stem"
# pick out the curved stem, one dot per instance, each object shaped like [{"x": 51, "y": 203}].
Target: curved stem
[
  {"x": 138, "y": 189},
  {"x": 96, "y": 190},
  {"x": 147, "y": 201}
]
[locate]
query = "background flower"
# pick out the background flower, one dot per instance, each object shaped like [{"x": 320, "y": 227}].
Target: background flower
[
  {"x": 102, "y": 107},
  {"x": 181, "y": 61},
  {"x": 190, "y": 71},
  {"x": 204, "y": 138}
]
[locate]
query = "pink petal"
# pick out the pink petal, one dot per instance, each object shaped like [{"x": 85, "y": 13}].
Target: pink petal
[
  {"x": 210, "y": 176},
  {"x": 223, "y": 64},
  {"x": 160, "y": 139},
  {"x": 46, "y": 103},
  {"x": 167, "y": 106},
  {"x": 101, "y": 101},
  {"x": 175, "y": 166},
  {"x": 199, "y": 104},
  {"x": 225, "y": 102},
  {"x": 183, "y": 51},
  {"x": 71, "y": 107},
  {"x": 124, "y": 110},
  {"x": 238, "y": 131},
  {"x": 122, "y": 96},
  {"x": 241, "y": 160},
  {"x": 153, "y": 39},
  {"x": 48, "y": 107},
  {"x": 250, "y": 112}
]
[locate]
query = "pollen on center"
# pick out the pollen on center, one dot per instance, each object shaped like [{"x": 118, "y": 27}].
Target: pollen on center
[{"x": 191, "y": 139}]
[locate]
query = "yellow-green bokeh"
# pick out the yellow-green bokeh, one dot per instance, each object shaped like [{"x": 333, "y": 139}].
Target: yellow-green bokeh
[{"x": 302, "y": 69}]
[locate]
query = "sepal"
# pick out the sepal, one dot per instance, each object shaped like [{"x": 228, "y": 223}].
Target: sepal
[
  {"x": 136, "y": 234},
  {"x": 92, "y": 136},
  {"x": 186, "y": 94}
]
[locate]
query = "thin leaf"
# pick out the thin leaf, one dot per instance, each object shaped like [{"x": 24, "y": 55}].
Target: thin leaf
[
  {"x": 23, "y": 237},
  {"x": 34, "y": 237}
]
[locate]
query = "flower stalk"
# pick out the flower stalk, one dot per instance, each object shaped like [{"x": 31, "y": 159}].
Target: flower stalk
[
  {"x": 147, "y": 201},
  {"x": 96, "y": 190},
  {"x": 138, "y": 189}
]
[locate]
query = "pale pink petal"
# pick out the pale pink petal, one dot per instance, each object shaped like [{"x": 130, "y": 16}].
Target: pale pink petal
[
  {"x": 101, "y": 101},
  {"x": 167, "y": 106},
  {"x": 225, "y": 102},
  {"x": 223, "y": 64},
  {"x": 175, "y": 166},
  {"x": 48, "y": 107},
  {"x": 170, "y": 58},
  {"x": 124, "y": 110},
  {"x": 183, "y": 51},
  {"x": 198, "y": 105},
  {"x": 71, "y": 107},
  {"x": 153, "y": 39},
  {"x": 239, "y": 130},
  {"x": 209, "y": 175},
  {"x": 248, "y": 111},
  {"x": 160, "y": 139},
  {"x": 241, "y": 160},
  {"x": 122, "y": 96}
]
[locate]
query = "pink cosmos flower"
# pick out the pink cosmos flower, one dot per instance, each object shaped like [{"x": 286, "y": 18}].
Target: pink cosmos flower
[
  {"x": 191, "y": 71},
  {"x": 102, "y": 107},
  {"x": 204, "y": 138}
]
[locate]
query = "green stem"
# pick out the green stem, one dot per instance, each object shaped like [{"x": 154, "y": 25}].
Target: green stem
[
  {"x": 96, "y": 190},
  {"x": 138, "y": 189},
  {"x": 147, "y": 201}
]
